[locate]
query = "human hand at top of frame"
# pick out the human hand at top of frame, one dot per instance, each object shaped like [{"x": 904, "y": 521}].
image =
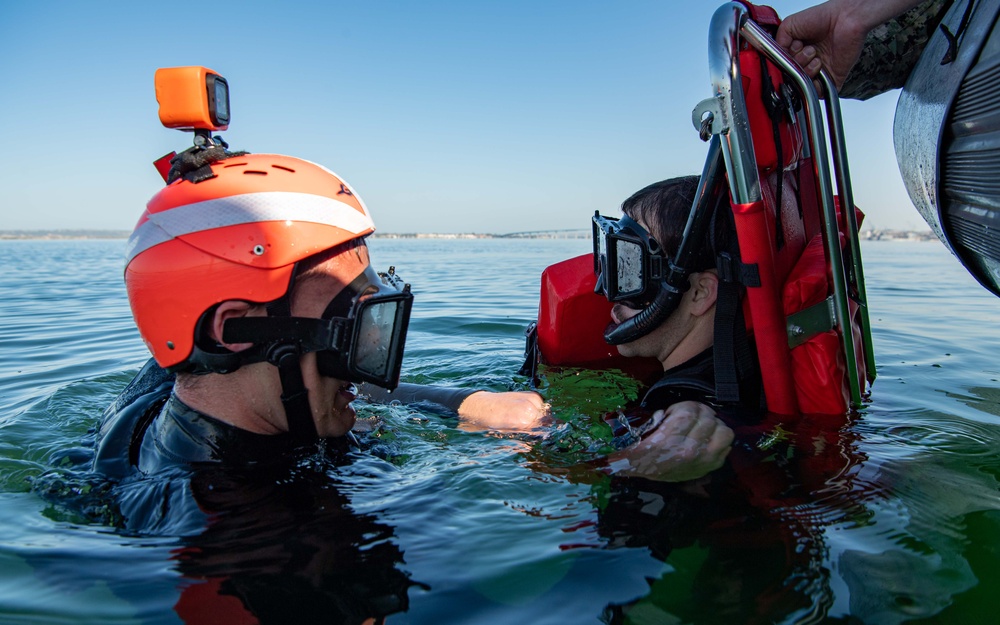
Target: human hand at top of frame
[
  {"x": 826, "y": 36},
  {"x": 520, "y": 411},
  {"x": 687, "y": 442},
  {"x": 831, "y": 35}
]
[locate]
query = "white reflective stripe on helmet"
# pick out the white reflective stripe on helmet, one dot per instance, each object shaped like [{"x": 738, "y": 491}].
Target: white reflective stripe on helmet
[{"x": 244, "y": 209}]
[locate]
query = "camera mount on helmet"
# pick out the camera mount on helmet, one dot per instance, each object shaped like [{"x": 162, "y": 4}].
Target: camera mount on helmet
[
  {"x": 238, "y": 227},
  {"x": 192, "y": 99}
]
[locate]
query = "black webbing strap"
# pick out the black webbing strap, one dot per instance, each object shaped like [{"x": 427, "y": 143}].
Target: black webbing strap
[
  {"x": 775, "y": 106},
  {"x": 733, "y": 358},
  {"x": 531, "y": 354},
  {"x": 294, "y": 395},
  {"x": 727, "y": 383},
  {"x": 311, "y": 334},
  {"x": 195, "y": 164},
  {"x": 953, "y": 39},
  {"x": 286, "y": 357}
]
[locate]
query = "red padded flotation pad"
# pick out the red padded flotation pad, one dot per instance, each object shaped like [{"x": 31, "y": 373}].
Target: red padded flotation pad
[
  {"x": 572, "y": 319},
  {"x": 818, "y": 363}
]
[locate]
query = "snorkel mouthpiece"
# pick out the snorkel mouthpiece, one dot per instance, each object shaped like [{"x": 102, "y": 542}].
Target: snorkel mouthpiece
[{"x": 648, "y": 319}]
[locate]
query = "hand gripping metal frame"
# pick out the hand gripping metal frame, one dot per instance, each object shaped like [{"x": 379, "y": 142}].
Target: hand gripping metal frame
[{"x": 725, "y": 115}]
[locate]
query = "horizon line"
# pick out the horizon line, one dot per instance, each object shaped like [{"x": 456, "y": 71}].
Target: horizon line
[{"x": 568, "y": 233}]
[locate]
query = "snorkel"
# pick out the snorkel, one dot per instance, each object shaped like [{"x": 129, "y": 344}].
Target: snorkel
[{"x": 674, "y": 283}]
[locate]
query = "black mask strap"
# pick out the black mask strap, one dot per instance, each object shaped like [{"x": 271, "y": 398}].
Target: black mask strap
[
  {"x": 282, "y": 351},
  {"x": 340, "y": 305}
]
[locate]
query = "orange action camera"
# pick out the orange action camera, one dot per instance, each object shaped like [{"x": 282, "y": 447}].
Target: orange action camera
[{"x": 192, "y": 98}]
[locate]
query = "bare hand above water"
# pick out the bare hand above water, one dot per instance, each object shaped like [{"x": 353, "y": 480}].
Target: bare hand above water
[
  {"x": 688, "y": 442},
  {"x": 521, "y": 411}
]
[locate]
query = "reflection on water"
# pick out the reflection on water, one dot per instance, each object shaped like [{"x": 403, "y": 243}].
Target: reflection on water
[
  {"x": 286, "y": 549},
  {"x": 826, "y": 529},
  {"x": 984, "y": 398},
  {"x": 890, "y": 516}
]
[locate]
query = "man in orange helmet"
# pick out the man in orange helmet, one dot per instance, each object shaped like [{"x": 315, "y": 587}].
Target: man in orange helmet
[{"x": 250, "y": 282}]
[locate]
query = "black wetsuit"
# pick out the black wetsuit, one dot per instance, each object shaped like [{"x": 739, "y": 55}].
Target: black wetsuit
[
  {"x": 440, "y": 399},
  {"x": 692, "y": 380},
  {"x": 264, "y": 528},
  {"x": 149, "y": 431},
  {"x": 151, "y": 444}
]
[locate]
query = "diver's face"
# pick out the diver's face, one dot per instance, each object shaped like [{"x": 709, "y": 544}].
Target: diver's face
[
  {"x": 659, "y": 343},
  {"x": 329, "y": 398}
]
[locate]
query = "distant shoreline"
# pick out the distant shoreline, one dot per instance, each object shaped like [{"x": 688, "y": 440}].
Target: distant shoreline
[
  {"x": 13, "y": 235},
  {"x": 10, "y": 235},
  {"x": 60, "y": 235}
]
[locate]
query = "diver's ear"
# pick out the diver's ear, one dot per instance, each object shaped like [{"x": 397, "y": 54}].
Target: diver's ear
[
  {"x": 704, "y": 291},
  {"x": 232, "y": 309}
]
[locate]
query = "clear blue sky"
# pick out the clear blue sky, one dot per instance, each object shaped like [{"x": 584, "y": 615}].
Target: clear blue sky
[{"x": 452, "y": 116}]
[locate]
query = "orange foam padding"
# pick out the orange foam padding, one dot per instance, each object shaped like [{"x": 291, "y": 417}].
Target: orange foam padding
[
  {"x": 571, "y": 317},
  {"x": 820, "y": 374},
  {"x": 818, "y": 363},
  {"x": 815, "y": 380}
]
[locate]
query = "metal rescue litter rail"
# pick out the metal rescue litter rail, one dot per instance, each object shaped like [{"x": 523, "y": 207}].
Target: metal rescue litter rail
[{"x": 725, "y": 115}]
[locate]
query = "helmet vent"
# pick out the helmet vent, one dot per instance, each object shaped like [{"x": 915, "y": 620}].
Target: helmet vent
[
  {"x": 282, "y": 167},
  {"x": 255, "y": 172}
]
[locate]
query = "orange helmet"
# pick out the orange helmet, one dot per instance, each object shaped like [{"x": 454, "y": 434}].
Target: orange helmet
[{"x": 235, "y": 235}]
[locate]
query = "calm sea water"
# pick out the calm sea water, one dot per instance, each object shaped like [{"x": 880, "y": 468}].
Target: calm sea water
[{"x": 891, "y": 516}]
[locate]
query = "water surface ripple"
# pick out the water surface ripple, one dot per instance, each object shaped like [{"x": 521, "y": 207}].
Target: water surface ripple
[{"x": 889, "y": 516}]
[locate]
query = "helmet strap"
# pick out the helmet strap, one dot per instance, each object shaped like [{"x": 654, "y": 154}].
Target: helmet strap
[
  {"x": 195, "y": 164},
  {"x": 282, "y": 350},
  {"x": 294, "y": 395},
  {"x": 286, "y": 356}
]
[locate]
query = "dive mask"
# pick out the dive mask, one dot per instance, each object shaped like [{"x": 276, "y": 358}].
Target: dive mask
[
  {"x": 371, "y": 315},
  {"x": 359, "y": 338},
  {"x": 629, "y": 264}
]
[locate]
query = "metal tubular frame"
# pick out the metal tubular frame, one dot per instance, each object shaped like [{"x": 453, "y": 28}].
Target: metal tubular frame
[
  {"x": 729, "y": 23},
  {"x": 846, "y": 192},
  {"x": 724, "y": 68}
]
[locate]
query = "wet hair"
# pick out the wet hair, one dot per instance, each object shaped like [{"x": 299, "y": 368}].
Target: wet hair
[{"x": 664, "y": 207}]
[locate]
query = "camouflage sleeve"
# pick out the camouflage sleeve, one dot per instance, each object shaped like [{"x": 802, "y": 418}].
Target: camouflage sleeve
[{"x": 891, "y": 51}]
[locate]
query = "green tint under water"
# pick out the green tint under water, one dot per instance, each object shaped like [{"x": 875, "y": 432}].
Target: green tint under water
[{"x": 581, "y": 401}]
